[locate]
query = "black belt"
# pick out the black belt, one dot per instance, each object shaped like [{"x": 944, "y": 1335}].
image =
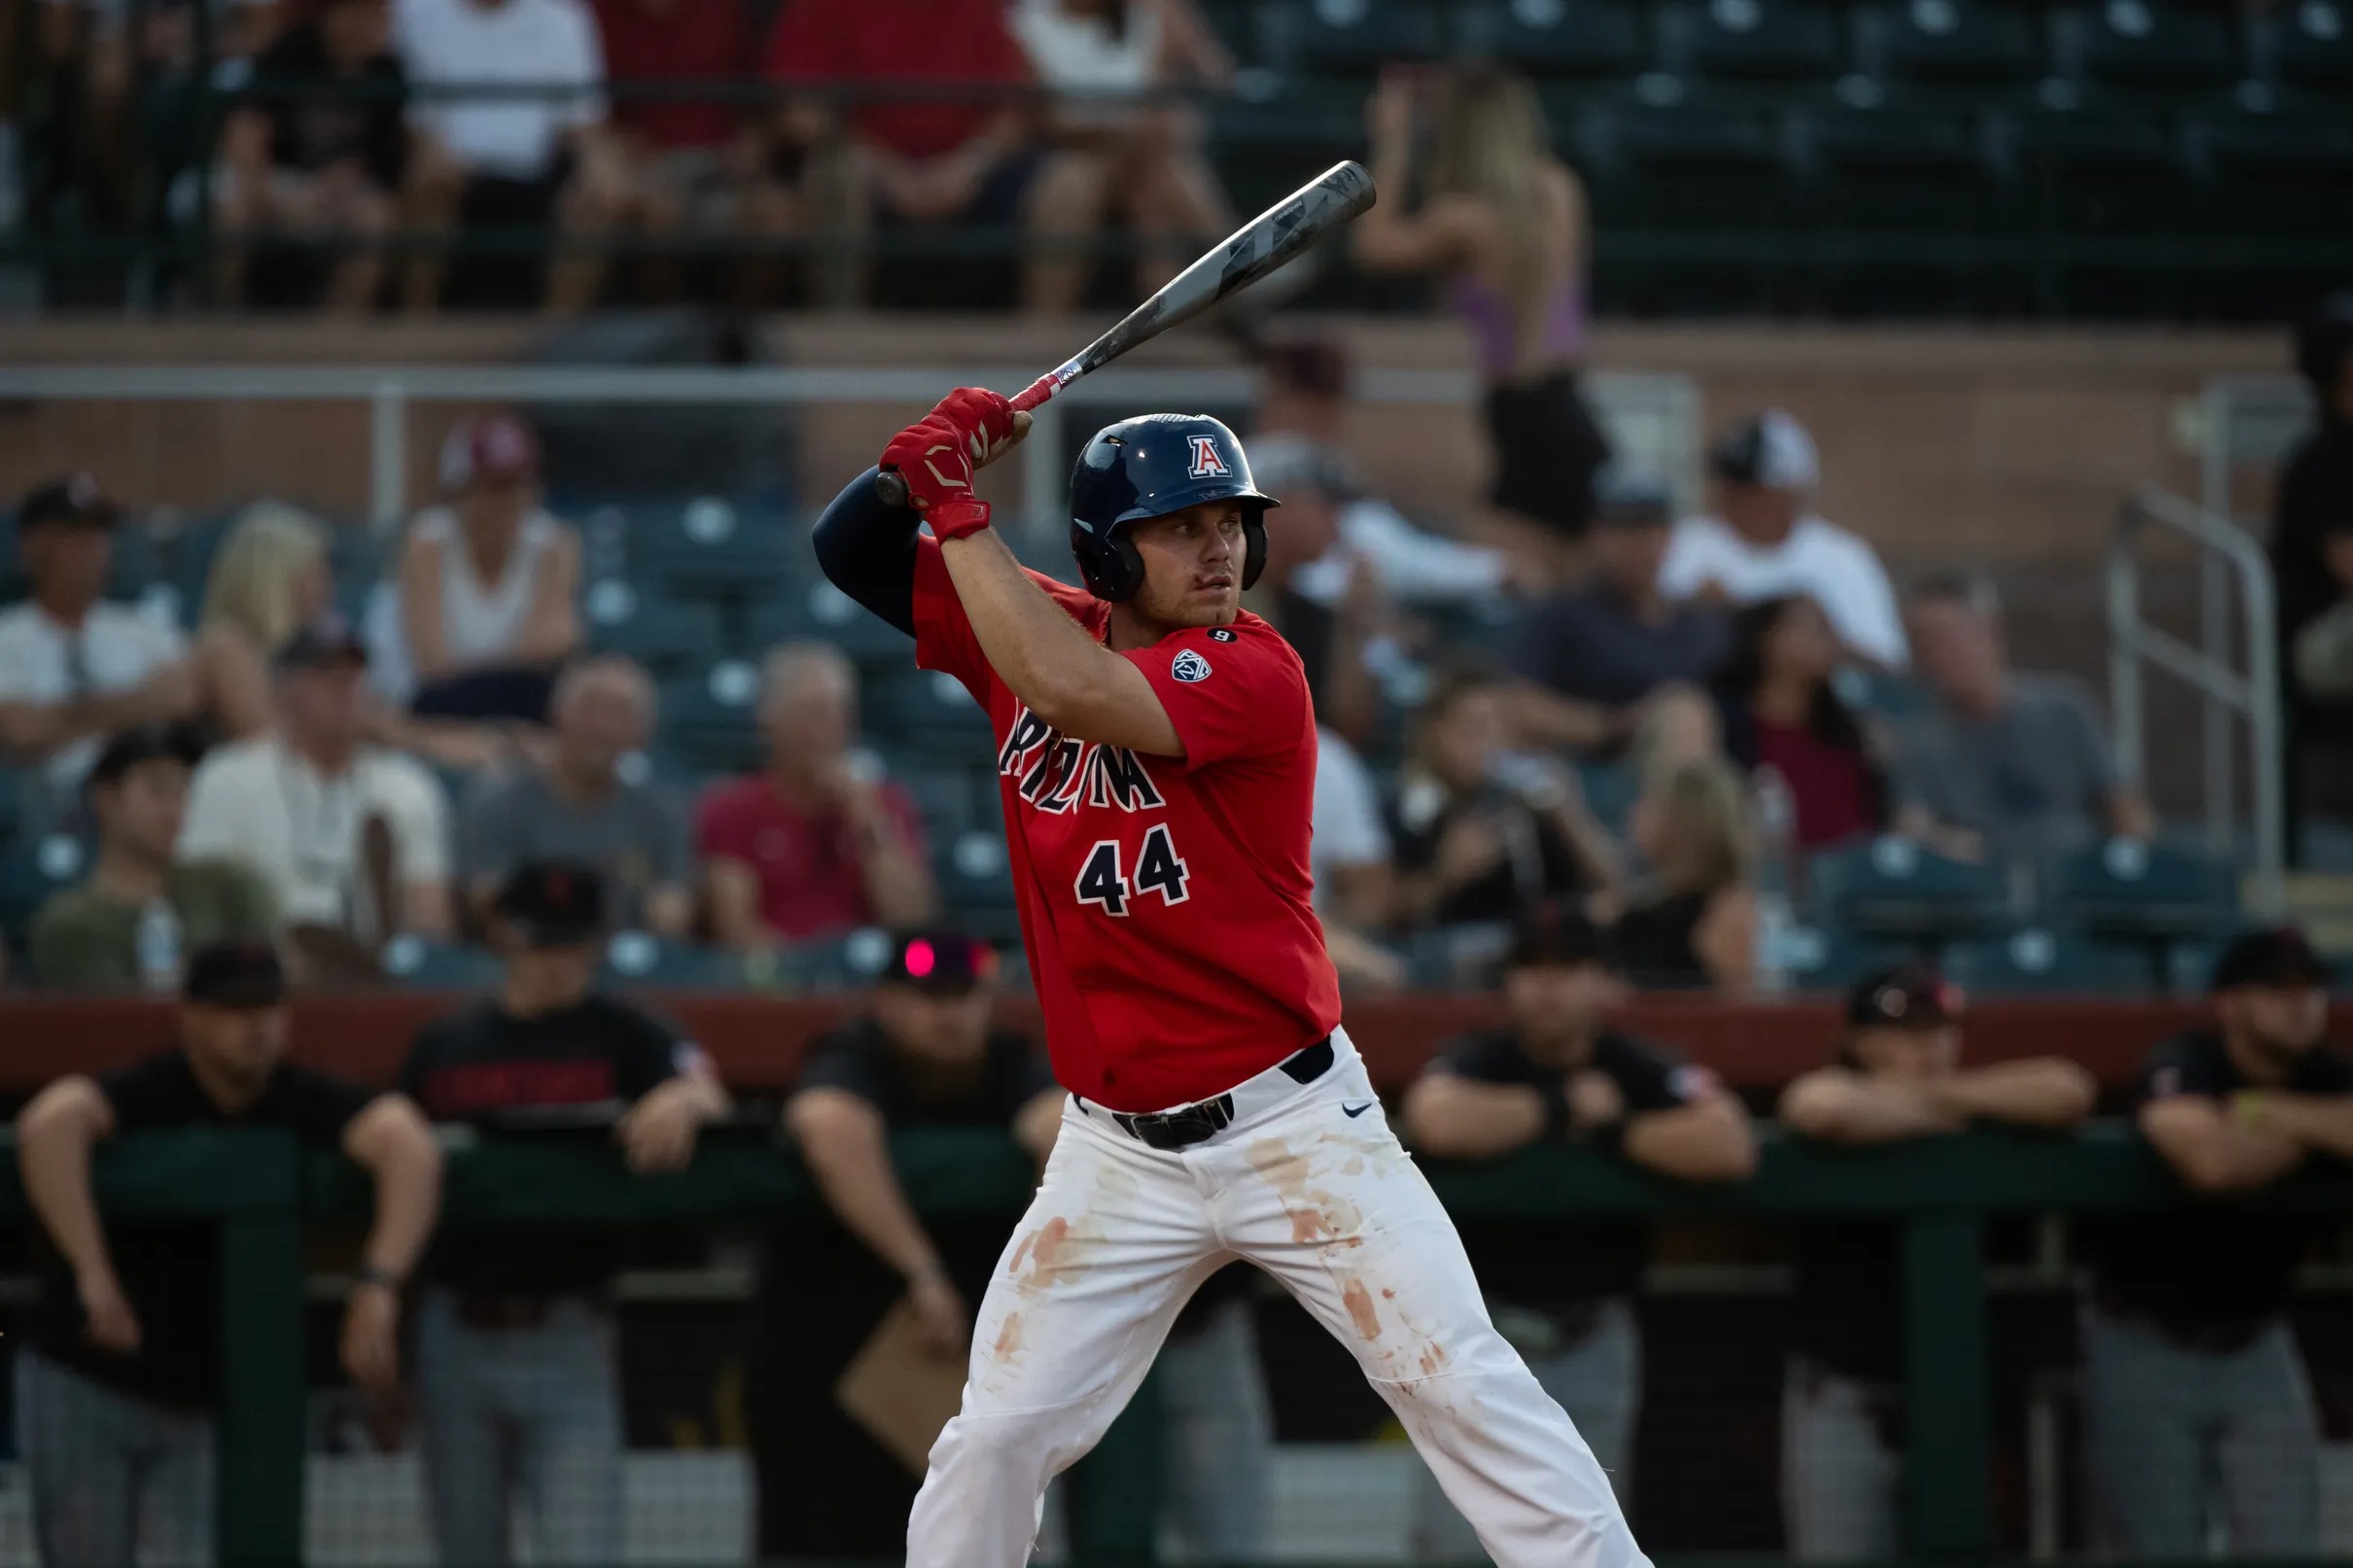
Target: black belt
[{"x": 1205, "y": 1119}]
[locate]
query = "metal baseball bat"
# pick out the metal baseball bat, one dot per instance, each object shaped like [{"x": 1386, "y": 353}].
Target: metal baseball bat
[{"x": 1243, "y": 257}]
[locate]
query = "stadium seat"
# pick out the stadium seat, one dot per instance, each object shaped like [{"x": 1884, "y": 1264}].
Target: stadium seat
[
  {"x": 1916, "y": 176},
  {"x": 2129, "y": 889},
  {"x": 426, "y": 965},
  {"x": 33, "y": 866},
  {"x": 1968, "y": 46},
  {"x": 1894, "y": 887},
  {"x": 2150, "y": 46},
  {"x": 639, "y": 959},
  {"x": 1754, "y": 41},
  {"x": 944, "y": 794},
  {"x": 2273, "y": 175},
  {"x": 137, "y": 564},
  {"x": 1350, "y": 37},
  {"x": 667, "y": 635},
  {"x": 18, "y": 790},
  {"x": 926, "y": 712},
  {"x": 1827, "y": 958},
  {"x": 2310, "y": 44},
  {"x": 1558, "y": 39},
  {"x": 973, "y": 872},
  {"x": 2039, "y": 960},
  {"x": 821, "y": 611},
  {"x": 706, "y": 548},
  {"x": 707, "y": 720},
  {"x": 2108, "y": 191}
]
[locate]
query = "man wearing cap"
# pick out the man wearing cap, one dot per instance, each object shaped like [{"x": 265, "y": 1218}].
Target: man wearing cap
[
  {"x": 924, "y": 1054},
  {"x": 351, "y": 837},
  {"x": 127, "y": 925},
  {"x": 1769, "y": 541},
  {"x": 74, "y": 667},
  {"x": 1591, "y": 659},
  {"x": 517, "y": 1389},
  {"x": 1896, "y": 1075},
  {"x": 119, "y": 1378},
  {"x": 2196, "y": 1406},
  {"x": 489, "y": 584},
  {"x": 1560, "y": 1072}
]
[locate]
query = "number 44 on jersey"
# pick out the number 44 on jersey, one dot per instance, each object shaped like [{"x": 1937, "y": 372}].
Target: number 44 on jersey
[{"x": 1158, "y": 870}]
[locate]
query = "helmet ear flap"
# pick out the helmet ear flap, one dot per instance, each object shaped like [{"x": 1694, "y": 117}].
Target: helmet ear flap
[
  {"x": 1127, "y": 574},
  {"x": 1253, "y": 546}
]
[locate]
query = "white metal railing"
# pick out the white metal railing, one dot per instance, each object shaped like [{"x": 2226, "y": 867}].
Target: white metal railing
[
  {"x": 1653, "y": 416},
  {"x": 2232, "y": 552}
]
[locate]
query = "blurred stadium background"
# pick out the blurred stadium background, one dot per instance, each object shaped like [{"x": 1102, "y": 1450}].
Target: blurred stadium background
[{"x": 2025, "y": 271}]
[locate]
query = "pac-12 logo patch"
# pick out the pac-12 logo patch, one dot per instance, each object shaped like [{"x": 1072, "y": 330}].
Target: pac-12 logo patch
[
  {"x": 1190, "y": 667},
  {"x": 1207, "y": 462}
]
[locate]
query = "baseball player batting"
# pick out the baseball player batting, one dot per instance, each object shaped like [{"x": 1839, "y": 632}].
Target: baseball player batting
[{"x": 1156, "y": 749}]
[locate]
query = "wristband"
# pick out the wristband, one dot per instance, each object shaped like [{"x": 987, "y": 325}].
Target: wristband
[
  {"x": 957, "y": 519},
  {"x": 1559, "y": 1119}
]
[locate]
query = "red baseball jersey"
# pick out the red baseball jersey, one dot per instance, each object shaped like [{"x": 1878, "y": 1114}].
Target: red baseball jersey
[{"x": 1165, "y": 900}]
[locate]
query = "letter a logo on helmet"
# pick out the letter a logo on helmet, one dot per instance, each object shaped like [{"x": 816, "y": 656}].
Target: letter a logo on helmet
[{"x": 1207, "y": 462}]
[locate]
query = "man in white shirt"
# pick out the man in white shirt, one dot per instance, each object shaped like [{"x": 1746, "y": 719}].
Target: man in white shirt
[
  {"x": 74, "y": 668},
  {"x": 1355, "y": 882},
  {"x": 1767, "y": 542},
  {"x": 517, "y": 158},
  {"x": 353, "y": 839}
]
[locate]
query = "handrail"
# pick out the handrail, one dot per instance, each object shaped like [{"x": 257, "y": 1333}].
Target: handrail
[{"x": 2254, "y": 694}]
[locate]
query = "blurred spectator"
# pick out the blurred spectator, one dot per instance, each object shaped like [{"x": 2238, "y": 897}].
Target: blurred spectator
[
  {"x": 2312, "y": 570},
  {"x": 489, "y": 582},
  {"x": 2198, "y": 1409},
  {"x": 126, "y": 926},
  {"x": 1691, "y": 921},
  {"x": 1782, "y": 713},
  {"x": 316, "y": 150},
  {"x": 351, "y": 838},
  {"x": 2020, "y": 764},
  {"x": 1503, "y": 220},
  {"x": 1591, "y": 656},
  {"x": 268, "y": 578},
  {"x": 924, "y": 1054},
  {"x": 1350, "y": 856},
  {"x": 1107, "y": 66},
  {"x": 581, "y": 806},
  {"x": 1483, "y": 832},
  {"x": 1563, "y": 1296},
  {"x": 74, "y": 668},
  {"x": 1769, "y": 543},
  {"x": 517, "y": 157},
  {"x": 700, "y": 165},
  {"x": 518, "y": 1391},
  {"x": 116, "y": 1392},
  {"x": 1299, "y": 429},
  {"x": 819, "y": 844},
  {"x": 1896, "y": 1076},
  {"x": 943, "y": 159},
  {"x": 1337, "y": 640}
]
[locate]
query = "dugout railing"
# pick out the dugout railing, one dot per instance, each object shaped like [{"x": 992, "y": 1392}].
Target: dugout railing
[{"x": 262, "y": 1192}]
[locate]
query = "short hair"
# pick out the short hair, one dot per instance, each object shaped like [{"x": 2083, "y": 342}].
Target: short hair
[
  {"x": 580, "y": 671},
  {"x": 787, "y": 662},
  {"x": 1970, "y": 590}
]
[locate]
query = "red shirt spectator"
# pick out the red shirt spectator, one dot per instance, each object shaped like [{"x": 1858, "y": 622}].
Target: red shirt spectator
[
  {"x": 810, "y": 868},
  {"x": 902, "y": 42},
  {"x": 1835, "y": 794},
  {"x": 676, "y": 41}
]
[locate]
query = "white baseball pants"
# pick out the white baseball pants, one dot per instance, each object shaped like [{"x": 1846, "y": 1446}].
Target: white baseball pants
[{"x": 1310, "y": 1184}]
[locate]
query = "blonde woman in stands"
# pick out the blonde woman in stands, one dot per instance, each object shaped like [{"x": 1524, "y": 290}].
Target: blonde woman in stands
[
  {"x": 270, "y": 577},
  {"x": 1503, "y": 221},
  {"x": 1693, "y": 921}
]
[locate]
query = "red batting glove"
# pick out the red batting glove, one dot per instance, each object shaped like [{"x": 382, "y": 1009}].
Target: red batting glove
[{"x": 936, "y": 459}]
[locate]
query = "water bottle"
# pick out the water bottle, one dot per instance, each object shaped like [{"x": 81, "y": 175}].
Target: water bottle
[
  {"x": 1776, "y": 917},
  {"x": 156, "y": 942}
]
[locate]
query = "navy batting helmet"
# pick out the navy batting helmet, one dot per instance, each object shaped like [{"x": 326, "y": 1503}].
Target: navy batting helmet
[{"x": 1149, "y": 466}]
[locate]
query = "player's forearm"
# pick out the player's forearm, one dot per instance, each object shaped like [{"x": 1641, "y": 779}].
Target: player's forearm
[
  {"x": 2212, "y": 1152},
  {"x": 392, "y": 1140},
  {"x": 1710, "y": 1140},
  {"x": 1555, "y": 722},
  {"x": 868, "y": 550},
  {"x": 1455, "y": 1118},
  {"x": 1846, "y": 1108},
  {"x": 1043, "y": 656},
  {"x": 2047, "y": 1092},
  {"x": 54, "y": 1136},
  {"x": 863, "y": 1192},
  {"x": 2321, "y": 1123}
]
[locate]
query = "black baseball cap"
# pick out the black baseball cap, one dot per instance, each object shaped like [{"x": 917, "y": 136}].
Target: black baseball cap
[
  {"x": 1908, "y": 997},
  {"x": 939, "y": 962},
  {"x": 1558, "y": 936},
  {"x": 236, "y": 974},
  {"x": 145, "y": 743},
  {"x": 74, "y": 501},
  {"x": 553, "y": 903},
  {"x": 2269, "y": 955},
  {"x": 1628, "y": 497},
  {"x": 325, "y": 643}
]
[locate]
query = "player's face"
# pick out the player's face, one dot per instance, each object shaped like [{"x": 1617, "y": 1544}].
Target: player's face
[
  {"x": 2287, "y": 1019},
  {"x": 1912, "y": 1054},
  {"x": 941, "y": 1030},
  {"x": 1192, "y": 565},
  {"x": 1550, "y": 1000},
  {"x": 236, "y": 1044},
  {"x": 551, "y": 977}
]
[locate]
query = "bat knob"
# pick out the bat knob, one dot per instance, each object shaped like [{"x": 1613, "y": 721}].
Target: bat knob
[{"x": 890, "y": 488}]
